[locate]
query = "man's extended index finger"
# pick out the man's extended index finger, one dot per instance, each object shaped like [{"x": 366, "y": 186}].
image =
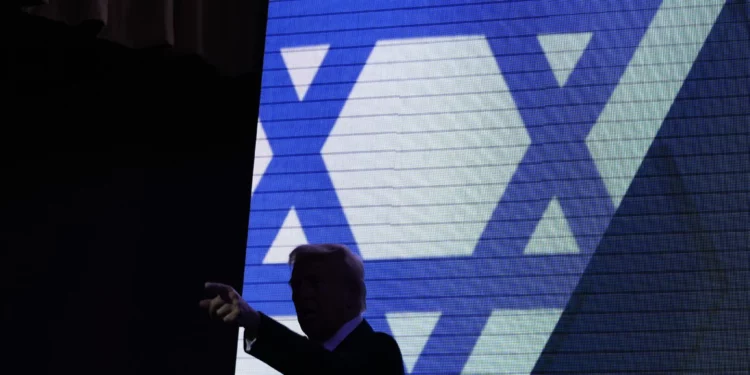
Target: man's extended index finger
[{"x": 220, "y": 289}]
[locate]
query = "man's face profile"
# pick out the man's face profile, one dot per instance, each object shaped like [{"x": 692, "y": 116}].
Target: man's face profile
[{"x": 320, "y": 297}]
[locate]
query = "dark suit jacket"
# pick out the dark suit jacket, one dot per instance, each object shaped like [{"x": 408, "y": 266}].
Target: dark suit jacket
[{"x": 364, "y": 351}]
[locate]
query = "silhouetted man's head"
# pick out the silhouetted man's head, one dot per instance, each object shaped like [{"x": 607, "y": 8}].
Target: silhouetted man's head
[{"x": 328, "y": 288}]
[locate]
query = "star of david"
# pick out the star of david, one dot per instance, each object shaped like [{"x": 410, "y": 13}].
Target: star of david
[{"x": 557, "y": 166}]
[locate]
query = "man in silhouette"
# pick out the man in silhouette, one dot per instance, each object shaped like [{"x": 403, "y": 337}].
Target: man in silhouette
[{"x": 328, "y": 291}]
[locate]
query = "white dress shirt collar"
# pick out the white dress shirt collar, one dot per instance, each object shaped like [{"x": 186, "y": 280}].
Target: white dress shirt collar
[{"x": 342, "y": 333}]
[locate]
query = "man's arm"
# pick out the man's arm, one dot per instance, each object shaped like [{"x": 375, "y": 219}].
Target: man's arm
[{"x": 291, "y": 354}]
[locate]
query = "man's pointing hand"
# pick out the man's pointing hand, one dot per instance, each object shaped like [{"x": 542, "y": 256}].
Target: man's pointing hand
[{"x": 229, "y": 306}]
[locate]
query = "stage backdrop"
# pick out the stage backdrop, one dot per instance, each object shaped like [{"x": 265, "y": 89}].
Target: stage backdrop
[{"x": 479, "y": 155}]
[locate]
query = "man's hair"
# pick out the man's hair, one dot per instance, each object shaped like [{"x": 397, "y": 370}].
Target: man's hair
[{"x": 351, "y": 264}]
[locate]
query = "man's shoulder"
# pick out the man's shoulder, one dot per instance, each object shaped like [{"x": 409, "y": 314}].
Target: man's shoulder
[
  {"x": 384, "y": 342},
  {"x": 383, "y": 338},
  {"x": 391, "y": 360},
  {"x": 364, "y": 337},
  {"x": 375, "y": 337}
]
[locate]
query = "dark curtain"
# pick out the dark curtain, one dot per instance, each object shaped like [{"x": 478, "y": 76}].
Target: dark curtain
[
  {"x": 222, "y": 32},
  {"x": 126, "y": 184}
]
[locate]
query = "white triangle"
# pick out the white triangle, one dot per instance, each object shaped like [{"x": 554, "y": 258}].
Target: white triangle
[
  {"x": 263, "y": 154},
  {"x": 411, "y": 331},
  {"x": 290, "y": 236},
  {"x": 563, "y": 52},
  {"x": 303, "y": 63},
  {"x": 552, "y": 234}
]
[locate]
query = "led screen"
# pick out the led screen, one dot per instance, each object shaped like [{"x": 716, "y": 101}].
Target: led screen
[{"x": 478, "y": 154}]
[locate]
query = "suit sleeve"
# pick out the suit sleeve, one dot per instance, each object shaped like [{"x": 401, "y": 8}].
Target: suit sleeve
[{"x": 292, "y": 354}]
